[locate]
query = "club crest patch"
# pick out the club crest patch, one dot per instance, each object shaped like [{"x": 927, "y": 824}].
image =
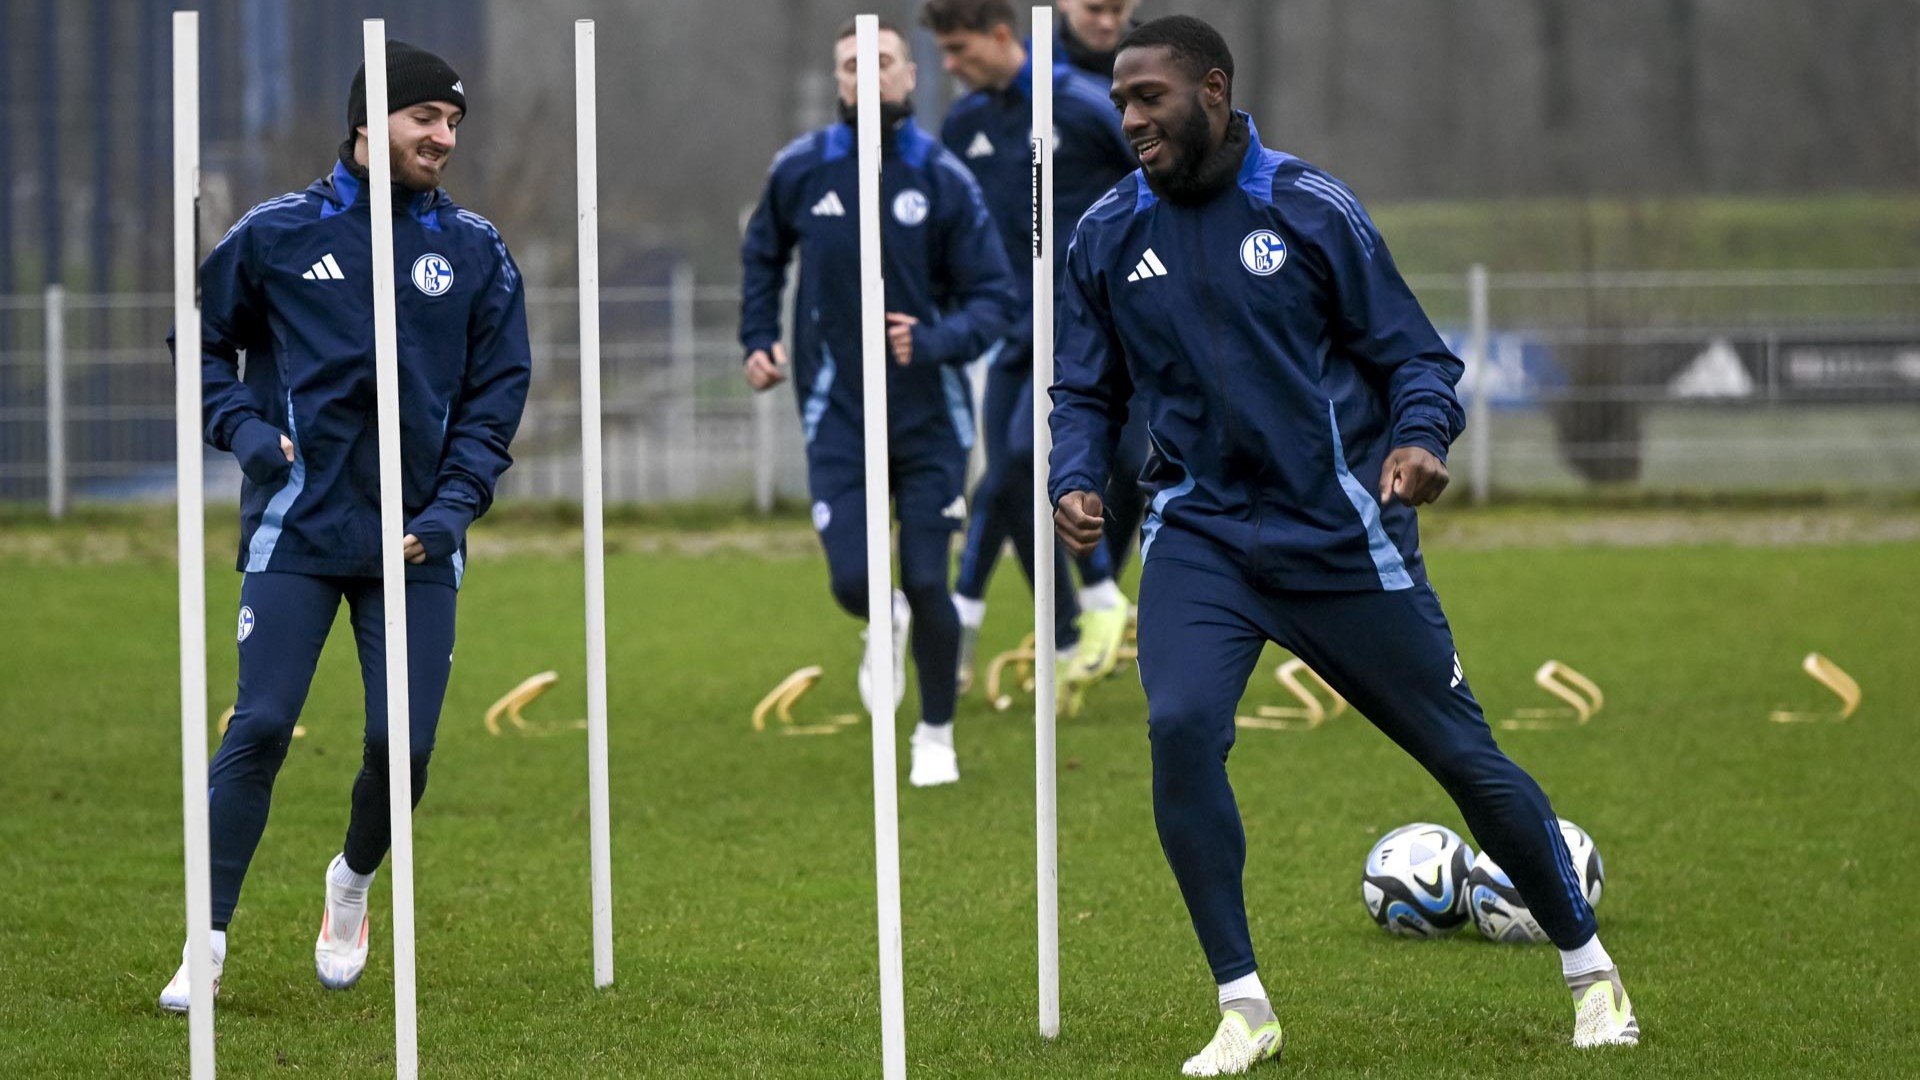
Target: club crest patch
[
  {"x": 1263, "y": 252},
  {"x": 910, "y": 207},
  {"x": 822, "y": 516},
  {"x": 432, "y": 274},
  {"x": 246, "y": 624}
]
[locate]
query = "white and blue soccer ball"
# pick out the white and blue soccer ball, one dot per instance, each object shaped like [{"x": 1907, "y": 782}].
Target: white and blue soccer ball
[
  {"x": 1415, "y": 882},
  {"x": 1498, "y": 911}
]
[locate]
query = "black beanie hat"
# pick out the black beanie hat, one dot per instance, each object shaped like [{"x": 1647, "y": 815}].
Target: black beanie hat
[{"x": 414, "y": 75}]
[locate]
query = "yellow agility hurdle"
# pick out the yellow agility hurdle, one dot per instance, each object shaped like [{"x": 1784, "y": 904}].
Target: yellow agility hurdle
[
  {"x": 1827, "y": 674},
  {"x": 1581, "y": 694}
]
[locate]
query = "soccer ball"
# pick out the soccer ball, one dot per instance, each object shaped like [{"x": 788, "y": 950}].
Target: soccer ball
[
  {"x": 1414, "y": 884},
  {"x": 1500, "y": 914}
]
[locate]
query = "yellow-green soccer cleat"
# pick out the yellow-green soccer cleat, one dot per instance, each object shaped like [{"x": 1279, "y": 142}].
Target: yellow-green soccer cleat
[
  {"x": 1102, "y": 633},
  {"x": 1603, "y": 1014},
  {"x": 1069, "y": 690},
  {"x": 1236, "y": 1047}
]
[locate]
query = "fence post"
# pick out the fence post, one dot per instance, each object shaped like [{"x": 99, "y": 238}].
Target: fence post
[
  {"x": 682, "y": 455},
  {"x": 56, "y": 342},
  {"x": 1480, "y": 412},
  {"x": 763, "y": 452}
]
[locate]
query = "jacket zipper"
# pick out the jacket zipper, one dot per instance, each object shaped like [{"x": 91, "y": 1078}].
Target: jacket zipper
[{"x": 1230, "y": 428}]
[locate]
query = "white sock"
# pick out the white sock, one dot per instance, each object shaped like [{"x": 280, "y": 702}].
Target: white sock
[
  {"x": 1102, "y": 597},
  {"x": 1243, "y": 988},
  {"x": 339, "y": 873},
  {"x": 934, "y": 733},
  {"x": 219, "y": 946},
  {"x": 1586, "y": 959},
  {"x": 972, "y": 612}
]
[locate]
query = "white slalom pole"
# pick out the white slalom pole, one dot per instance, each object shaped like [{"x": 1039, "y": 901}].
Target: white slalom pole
[
  {"x": 193, "y": 547},
  {"x": 393, "y": 574},
  {"x": 1046, "y": 810},
  {"x": 599, "y": 828},
  {"x": 873, "y": 401}
]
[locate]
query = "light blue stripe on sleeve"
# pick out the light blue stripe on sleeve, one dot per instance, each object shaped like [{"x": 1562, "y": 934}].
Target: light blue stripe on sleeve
[
  {"x": 816, "y": 406},
  {"x": 1356, "y": 218},
  {"x": 267, "y": 536},
  {"x": 1158, "y": 507},
  {"x": 959, "y": 404},
  {"x": 1386, "y": 557}
]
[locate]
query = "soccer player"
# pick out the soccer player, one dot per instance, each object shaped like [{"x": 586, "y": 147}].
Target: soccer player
[
  {"x": 949, "y": 296},
  {"x": 1243, "y": 300},
  {"x": 290, "y": 285},
  {"x": 988, "y": 128}
]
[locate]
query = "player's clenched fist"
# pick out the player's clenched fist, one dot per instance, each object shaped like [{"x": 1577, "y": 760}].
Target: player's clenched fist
[
  {"x": 1077, "y": 518},
  {"x": 900, "y": 336},
  {"x": 766, "y": 369},
  {"x": 1412, "y": 475}
]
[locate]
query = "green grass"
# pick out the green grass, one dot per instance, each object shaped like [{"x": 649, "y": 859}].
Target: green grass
[{"x": 1761, "y": 877}]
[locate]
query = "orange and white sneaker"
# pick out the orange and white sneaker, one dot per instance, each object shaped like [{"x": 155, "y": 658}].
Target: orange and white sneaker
[
  {"x": 340, "y": 952},
  {"x": 177, "y": 995}
]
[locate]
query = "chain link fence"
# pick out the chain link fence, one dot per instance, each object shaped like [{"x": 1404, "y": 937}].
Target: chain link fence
[
  {"x": 1698, "y": 382},
  {"x": 679, "y": 423},
  {"x": 1702, "y": 382}
]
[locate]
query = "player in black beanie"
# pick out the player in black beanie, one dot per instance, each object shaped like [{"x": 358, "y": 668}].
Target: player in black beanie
[
  {"x": 289, "y": 286},
  {"x": 425, "y": 101}
]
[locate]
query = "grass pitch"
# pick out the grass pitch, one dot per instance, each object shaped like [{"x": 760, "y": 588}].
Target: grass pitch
[{"x": 1759, "y": 876}]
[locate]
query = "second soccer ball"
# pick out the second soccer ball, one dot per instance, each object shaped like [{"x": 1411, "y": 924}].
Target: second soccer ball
[{"x": 1501, "y": 915}]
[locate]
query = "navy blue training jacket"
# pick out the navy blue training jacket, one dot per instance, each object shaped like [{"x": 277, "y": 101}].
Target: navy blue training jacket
[
  {"x": 291, "y": 286},
  {"x": 989, "y": 130},
  {"x": 1279, "y": 356},
  {"x": 942, "y": 263}
]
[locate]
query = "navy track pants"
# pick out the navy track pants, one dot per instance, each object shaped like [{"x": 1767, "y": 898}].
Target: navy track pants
[
  {"x": 284, "y": 620},
  {"x": 926, "y": 553},
  {"x": 1203, "y": 625}
]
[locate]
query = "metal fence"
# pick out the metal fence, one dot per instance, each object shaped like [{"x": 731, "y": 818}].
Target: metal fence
[
  {"x": 1706, "y": 382},
  {"x": 1672, "y": 381},
  {"x": 679, "y": 424}
]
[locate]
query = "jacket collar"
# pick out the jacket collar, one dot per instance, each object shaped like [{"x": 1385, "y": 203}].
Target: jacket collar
[
  {"x": 909, "y": 141},
  {"x": 343, "y": 189},
  {"x": 1021, "y": 89},
  {"x": 1073, "y": 51},
  {"x": 1257, "y": 168}
]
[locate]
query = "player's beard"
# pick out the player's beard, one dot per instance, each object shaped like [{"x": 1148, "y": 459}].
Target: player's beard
[
  {"x": 892, "y": 113},
  {"x": 1201, "y": 170},
  {"x": 408, "y": 172}
]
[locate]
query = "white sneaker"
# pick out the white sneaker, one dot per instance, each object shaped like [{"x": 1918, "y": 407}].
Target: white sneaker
[
  {"x": 1603, "y": 1016},
  {"x": 1236, "y": 1047},
  {"x": 178, "y": 996},
  {"x": 902, "y": 619},
  {"x": 340, "y": 952},
  {"x": 934, "y": 763}
]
